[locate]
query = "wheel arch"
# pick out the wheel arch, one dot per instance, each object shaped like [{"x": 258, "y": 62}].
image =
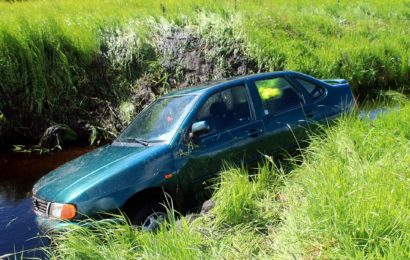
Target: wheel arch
[{"x": 154, "y": 193}]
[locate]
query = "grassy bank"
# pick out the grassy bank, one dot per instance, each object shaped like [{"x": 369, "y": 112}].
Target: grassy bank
[
  {"x": 347, "y": 198},
  {"x": 102, "y": 61}
]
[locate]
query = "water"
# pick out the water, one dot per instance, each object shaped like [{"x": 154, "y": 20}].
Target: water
[{"x": 18, "y": 173}]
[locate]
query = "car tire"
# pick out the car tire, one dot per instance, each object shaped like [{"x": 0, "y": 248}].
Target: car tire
[{"x": 148, "y": 215}]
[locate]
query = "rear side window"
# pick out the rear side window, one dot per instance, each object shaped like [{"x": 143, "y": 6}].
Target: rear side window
[
  {"x": 314, "y": 90},
  {"x": 277, "y": 95}
]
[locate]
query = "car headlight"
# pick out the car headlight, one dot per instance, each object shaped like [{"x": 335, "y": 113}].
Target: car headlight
[{"x": 62, "y": 211}]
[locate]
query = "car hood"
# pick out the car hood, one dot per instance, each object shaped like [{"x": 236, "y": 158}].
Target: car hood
[{"x": 96, "y": 162}]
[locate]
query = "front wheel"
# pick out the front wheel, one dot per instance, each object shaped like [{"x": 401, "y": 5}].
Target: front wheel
[{"x": 148, "y": 215}]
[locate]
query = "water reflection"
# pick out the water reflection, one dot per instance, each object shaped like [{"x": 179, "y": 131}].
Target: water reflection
[{"x": 18, "y": 173}]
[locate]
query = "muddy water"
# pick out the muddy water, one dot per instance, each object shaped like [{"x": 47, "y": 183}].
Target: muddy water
[{"x": 18, "y": 173}]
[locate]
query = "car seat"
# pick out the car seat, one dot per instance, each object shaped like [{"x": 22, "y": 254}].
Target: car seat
[{"x": 218, "y": 112}]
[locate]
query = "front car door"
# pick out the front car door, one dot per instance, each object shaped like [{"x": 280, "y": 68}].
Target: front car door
[{"x": 233, "y": 130}]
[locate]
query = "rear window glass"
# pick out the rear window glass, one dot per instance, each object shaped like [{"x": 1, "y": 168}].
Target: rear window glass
[{"x": 314, "y": 90}]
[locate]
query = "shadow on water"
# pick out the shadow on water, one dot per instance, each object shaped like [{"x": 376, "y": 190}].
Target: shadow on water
[{"x": 18, "y": 173}]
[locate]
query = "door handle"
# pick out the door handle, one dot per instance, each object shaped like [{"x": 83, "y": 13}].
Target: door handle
[{"x": 254, "y": 132}]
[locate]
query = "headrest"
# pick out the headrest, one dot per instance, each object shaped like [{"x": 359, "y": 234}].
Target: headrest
[{"x": 218, "y": 108}]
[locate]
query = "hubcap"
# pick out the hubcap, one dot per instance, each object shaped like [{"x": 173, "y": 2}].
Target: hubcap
[{"x": 153, "y": 221}]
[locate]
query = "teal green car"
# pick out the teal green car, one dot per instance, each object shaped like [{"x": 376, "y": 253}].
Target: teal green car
[{"x": 181, "y": 140}]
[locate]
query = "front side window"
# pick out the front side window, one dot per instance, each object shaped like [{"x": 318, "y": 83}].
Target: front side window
[
  {"x": 160, "y": 121},
  {"x": 226, "y": 109},
  {"x": 277, "y": 95}
]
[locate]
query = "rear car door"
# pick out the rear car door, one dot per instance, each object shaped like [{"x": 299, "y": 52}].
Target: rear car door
[
  {"x": 327, "y": 109},
  {"x": 233, "y": 131},
  {"x": 286, "y": 113}
]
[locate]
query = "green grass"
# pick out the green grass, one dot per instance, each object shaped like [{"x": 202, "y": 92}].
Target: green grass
[
  {"x": 350, "y": 196},
  {"x": 59, "y": 58},
  {"x": 347, "y": 197}
]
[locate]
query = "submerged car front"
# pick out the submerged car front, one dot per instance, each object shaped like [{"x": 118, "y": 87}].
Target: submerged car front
[{"x": 104, "y": 179}]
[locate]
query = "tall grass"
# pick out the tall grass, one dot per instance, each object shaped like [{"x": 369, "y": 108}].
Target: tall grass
[
  {"x": 365, "y": 42},
  {"x": 350, "y": 197},
  {"x": 347, "y": 198},
  {"x": 227, "y": 232},
  {"x": 117, "y": 240},
  {"x": 239, "y": 200},
  {"x": 58, "y": 57}
]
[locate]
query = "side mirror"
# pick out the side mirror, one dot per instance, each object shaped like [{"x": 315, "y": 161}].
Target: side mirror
[{"x": 199, "y": 128}]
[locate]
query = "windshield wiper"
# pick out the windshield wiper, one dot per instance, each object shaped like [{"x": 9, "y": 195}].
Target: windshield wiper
[{"x": 140, "y": 141}]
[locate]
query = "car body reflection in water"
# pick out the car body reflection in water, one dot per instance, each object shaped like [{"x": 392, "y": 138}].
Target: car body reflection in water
[{"x": 18, "y": 173}]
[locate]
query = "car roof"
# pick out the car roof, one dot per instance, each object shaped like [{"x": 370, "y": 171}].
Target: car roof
[{"x": 212, "y": 85}]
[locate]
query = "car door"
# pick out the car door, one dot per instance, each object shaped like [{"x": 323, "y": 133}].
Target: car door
[
  {"x": 233, "y": 131},
  {"x": 286, "y": 115},
  {"x": 315, "y": 93}
]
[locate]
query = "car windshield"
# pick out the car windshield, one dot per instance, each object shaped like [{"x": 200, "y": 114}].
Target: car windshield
[{"x": 158, "y": 122}]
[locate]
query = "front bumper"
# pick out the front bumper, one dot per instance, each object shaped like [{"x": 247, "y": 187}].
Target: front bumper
[
  {"x": 55, "y": 226},
  {"x": 47, "y": 225}
]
